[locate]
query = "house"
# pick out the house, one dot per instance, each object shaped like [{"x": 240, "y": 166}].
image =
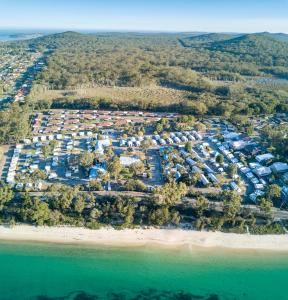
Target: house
[
  {"x": 196, "y": 169},
  {"x": 231, "y": 136},
  {"x": 208, "y": 169},
  {"x": 177, "y": 140},
  {"x": 279, "y": 167},
  {"x": 255, "y": 195},
  {"x": 254, "y": 165},
  {"x": 170, "y": 141},
  {"x": 238, "y": 145},
  {"x": 190, "y": 161},
  {"x": 122, "y": 143},
  {"x": 197, "y": 135},
  {"x": 53, "y": 175},
  {"x": 191, "y": 137},
  {"x": 101, "y": 144},
  {"x": 177, "y": 175},
  {"x": 264, "y": 157},
  {"x": 213, "y": 178},
  {"x": 235, "y": 187},
  {"x": 95, "y": 171},
  {"x": 204, "y": 180},
  {"x": 285, "y": 193},
  {"x": 130, "y": 143},
  {"x": 285, "y": 177}
]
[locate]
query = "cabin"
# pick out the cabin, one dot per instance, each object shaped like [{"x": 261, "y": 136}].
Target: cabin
[
  {"x": 279, "y": 167},
  {"x": 204, "y": 180}
]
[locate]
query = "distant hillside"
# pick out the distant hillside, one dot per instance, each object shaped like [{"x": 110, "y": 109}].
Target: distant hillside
[
  {"x": 206, "y": 39},
  {"x": 208, "y": 78},
  {"x": 262, "y": 49},
  {"x": 65, "y": 39},
  {"x": 277, "y": 36}
]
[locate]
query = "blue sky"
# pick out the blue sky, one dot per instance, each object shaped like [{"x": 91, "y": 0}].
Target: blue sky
[{"x": 147, "y": 15}]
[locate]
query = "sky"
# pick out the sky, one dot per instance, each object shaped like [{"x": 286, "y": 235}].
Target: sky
[{"x": 147, "y": 15}]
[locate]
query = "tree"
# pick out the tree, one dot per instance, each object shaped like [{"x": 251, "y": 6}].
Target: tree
[
  {"x": 129, "y": 216},
  {"x": 232, "y": 170},
  {"x": 137, "y": 168},
  {"x": 201, "y": 223},
  {"x": 86, "y": 160},
  {"x": 201, "y": 205},
  {"x": 114, "y": 167},
  {"x": 41, "y": 212},
  {"x": 170, "y": 193},
  {"x": 39, "y": 174},
  {"x": 266, "y": 206},
  {"x": 175, "y": 217},
  {"x": 64, "y": 200},
  {"x": 109, "y": 152},
  {"x": 273, "y": 192},
  {"x": 220, "y": 159},
  {"x": 200, "y": 126},
  {"x": 95, "y": 213},
  {"x": 159, "y": 216},
  {"x": 231, "y": 203},
  {"x": 6, "y": 195},
  {"x": 34, "y": 210},
  {"x": 135, "y": 185},
  {"x": 195, "y": 177},
  {"x": 46, "y": 150},
  {"x": 146, "y": 144},
  {"x": 217, "y": 223},
  {"x": 79, "y": 204},
  {"x": 188, "y": 147}
]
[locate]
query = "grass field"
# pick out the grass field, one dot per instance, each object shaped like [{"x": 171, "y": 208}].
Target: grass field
[{"x": 159, "y": 95}]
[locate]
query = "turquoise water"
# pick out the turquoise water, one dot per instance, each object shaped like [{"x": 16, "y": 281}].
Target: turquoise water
[{"x": 46, "y": 272}]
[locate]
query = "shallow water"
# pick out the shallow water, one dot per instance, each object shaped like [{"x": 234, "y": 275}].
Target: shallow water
[{"x": 48, "y": 271}]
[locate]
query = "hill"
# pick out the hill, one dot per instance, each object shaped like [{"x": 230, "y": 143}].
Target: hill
[
  {"x": 255, "y": 45},
  {"x": 277, "y": 36},
  {"x": 208, "y": 79},
  {"x": 206, "y": 39},
  {"x": 267, "y": 51}
]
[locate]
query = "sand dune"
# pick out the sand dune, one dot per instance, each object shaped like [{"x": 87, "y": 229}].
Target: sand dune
[{"x": 144, "y": 237}]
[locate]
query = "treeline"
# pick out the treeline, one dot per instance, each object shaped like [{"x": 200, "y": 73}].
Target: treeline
[
  {"x": 14, "y": 123},
  {"x": 276, "y": 138},
  {"x": 69, "y": 206}
]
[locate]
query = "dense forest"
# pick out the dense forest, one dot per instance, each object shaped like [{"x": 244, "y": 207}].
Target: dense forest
[{"x": 216, "y": 71}]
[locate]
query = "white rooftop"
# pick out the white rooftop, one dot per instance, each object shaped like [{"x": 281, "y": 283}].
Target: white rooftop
[
  {"x": 264, "y": 157},
  {"x": 126, "y": 161},
  {"x": 279, "y": 167}
]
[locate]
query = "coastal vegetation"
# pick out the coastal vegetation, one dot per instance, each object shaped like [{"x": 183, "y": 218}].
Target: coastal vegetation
[{"x": 63, "y": 205}]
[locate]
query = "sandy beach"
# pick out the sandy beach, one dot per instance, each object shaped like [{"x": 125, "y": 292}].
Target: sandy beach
[{"x": 143, "y": 237}]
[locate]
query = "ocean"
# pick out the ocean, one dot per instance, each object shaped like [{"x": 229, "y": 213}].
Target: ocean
[
  {"x": 9, "y": 35},
  {"x": 49, "y": 271}
]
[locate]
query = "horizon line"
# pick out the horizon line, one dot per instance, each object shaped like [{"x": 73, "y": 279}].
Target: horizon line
[{"x": 110, "y": 30}]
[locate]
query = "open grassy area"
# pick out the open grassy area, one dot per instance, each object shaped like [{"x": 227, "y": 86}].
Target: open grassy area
[{"x": 159, "y": 95}]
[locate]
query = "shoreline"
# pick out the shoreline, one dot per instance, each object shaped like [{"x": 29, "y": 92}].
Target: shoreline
[{"x": 167, "y": 238}]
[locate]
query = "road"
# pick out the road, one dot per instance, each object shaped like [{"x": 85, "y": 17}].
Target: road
[{"x": 156, "y": 168}]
